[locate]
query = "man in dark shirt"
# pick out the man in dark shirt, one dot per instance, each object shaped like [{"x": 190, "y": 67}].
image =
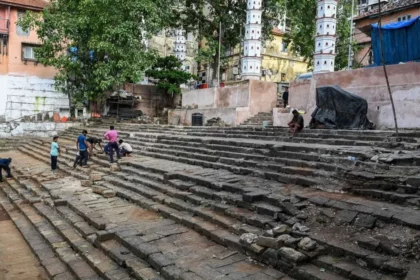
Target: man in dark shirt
[
  {"x": 93, "y": 141},
  {"x": 296, "y": 124},
  {"x": 286, "y": 98},
  {"x": 4, "y": 164}
]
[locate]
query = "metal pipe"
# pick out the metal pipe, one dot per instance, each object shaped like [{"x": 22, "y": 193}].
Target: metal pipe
[
  {"x": 218, "y": 62},
  {"x": 350, "y": 60}
]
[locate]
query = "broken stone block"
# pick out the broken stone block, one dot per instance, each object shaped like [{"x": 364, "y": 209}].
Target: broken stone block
[
  {"x": 300, "y": 227},
  {"x": 345, "y": 216},
  {"x": 269, "y": 242},
  {"x": 368, "y": 243},
  {"x": 268, "y": 233},
  {"x": 393, "y": 266},
  {"x": 109, "y": 193},
  {"x": 257, "y": 248},
  {"x": 388, "y": 248},
  {"x": 291, "y": 255},
  {"x": 248, "y": 238},
  {"x": 376, "y": 261},
  {"x": 114, "y": 168},
  {"x": 98, "y": 189},
  {"x": 366, "y": 221},
  {"x": 86, "y": 183},
  {"x": 94, "y": 177},
  {"x": 288, "y": 241},
  {"x": 307, "y": 244},
  {"x": 281, "y": 229}
]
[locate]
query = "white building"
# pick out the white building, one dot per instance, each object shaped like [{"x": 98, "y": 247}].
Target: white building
[
  {"x": 251, "y": 60},
  {"x": 325, "y": 36}
]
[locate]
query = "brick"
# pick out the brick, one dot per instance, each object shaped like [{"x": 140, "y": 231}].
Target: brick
[
  {"x": 269, "y": 242},
  {"x": 54, "y": 267},
  {"x": 190, "y": 276},
  {"x": 172, "y": 272},
  {"x": 143, "y": 250},
  {"x": 86, "y": 183},
  {"x": 159, "y": 261}
]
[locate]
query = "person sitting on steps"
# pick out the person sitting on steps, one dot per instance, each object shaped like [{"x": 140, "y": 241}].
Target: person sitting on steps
[
  {"x": 296, "y": 124},
  {"x": 125, "y": 148},
  {"x": 4, "y": 164}
]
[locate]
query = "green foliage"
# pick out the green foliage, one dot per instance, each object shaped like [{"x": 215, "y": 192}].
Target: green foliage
[
  {"x": 204, "y": 16},
  {"x": 169, "y": 75},
  {"x": 302, "y": 14},
  {"x": 111, "y": 30}
]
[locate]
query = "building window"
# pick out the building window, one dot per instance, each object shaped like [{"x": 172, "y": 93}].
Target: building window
[
  {"x": 284, "y": 45},
  {"x": 28, "y": 52},
  {"x": 283, "y": 77},
  {"x": 404, "y": 18},
  {"x": 19, "y": 30}
]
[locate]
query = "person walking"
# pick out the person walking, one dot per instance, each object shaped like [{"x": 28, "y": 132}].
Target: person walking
[
  {"x": 125, "y": 148},
  {"x": 82, "y": 150},
  {"x": 55, "y": 151},
  {"x": 112, "y": 136},
  {"x": 4, "y": 164},
  {"x": 285, "y": 97}
]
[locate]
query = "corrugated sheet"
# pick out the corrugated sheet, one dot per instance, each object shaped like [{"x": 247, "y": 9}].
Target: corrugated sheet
[{"x": 400, "y": 44}]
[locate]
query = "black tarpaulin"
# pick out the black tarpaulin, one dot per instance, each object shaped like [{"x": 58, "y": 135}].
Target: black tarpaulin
[{"x": 339, "y": 109}]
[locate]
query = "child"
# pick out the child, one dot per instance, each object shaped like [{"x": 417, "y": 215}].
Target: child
[
  {"x": 55, "y": 151},
  {"x": 125, "y": 148}
]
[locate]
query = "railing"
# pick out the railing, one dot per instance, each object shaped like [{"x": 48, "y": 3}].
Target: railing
[{"x": 4, "y": 25}]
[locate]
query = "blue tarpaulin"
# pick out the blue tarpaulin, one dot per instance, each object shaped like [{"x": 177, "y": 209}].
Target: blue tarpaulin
[{"x": 401, "y": 41}]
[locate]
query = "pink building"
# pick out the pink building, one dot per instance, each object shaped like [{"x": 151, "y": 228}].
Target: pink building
[{"x": 26, "y": 86}]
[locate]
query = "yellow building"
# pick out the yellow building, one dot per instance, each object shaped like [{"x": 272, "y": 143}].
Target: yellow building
[
  {"x": 163, "y": 43},
  {"x": 279, "y": 64}
]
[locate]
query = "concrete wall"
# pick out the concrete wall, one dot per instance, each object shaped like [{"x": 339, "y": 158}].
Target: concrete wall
[
  {"x": 29, "y": 95},
  {"x": 233, "y": 104},
  {"x": 370, "y": 84},
  {"x": 26, "y": 87},
  {"x": 34, "y": 129}
]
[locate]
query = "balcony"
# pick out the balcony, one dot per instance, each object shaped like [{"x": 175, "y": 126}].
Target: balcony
[{"x": 4, "y": 26}]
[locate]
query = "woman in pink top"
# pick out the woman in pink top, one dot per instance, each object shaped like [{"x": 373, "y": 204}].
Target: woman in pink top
[{"x": 112, "y": 136}]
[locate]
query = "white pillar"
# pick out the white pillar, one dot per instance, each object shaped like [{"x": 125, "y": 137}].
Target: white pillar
[
  {"x": 251, "y": 60},
  {"x": 326, "y": 26},
  {"x": 180, "y": 48}
]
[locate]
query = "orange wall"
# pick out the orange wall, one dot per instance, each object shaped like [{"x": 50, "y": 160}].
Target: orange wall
[{"x": 13, "y": 64}]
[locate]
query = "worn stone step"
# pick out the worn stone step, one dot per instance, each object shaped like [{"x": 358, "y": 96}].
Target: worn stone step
[
  {"x": 54, "y": 266},
  {"x": 350, "y": 269},
  {"x": 79, "y": 268},
  {"x": 313, "y": 272},
  {"x": 386, "y": 195}
]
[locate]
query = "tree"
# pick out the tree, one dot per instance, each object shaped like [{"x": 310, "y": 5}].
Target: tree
[
  {"x": 97, "y": 45},
  {"x": 302, "y": 14},
  {"x": 204, "y": 18},
  {"x": 169, "y": 75}
]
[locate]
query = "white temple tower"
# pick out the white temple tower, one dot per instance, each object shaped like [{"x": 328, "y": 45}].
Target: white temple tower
[
  {"x": 180, "y": 49},
  {"x": 251, "y": 60},
  {"x": 326, "y": 26}
]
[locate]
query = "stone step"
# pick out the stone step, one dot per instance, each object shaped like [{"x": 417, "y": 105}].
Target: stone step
[
  {"x": 386, "y": 195},
  {"x": 58, "y": 245},
  {"x": 141, "y": 242},
  {"x": 280, "y": 168},
  {"x": 284, "y": 136},
  {"x": 54, "y": 266}
]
